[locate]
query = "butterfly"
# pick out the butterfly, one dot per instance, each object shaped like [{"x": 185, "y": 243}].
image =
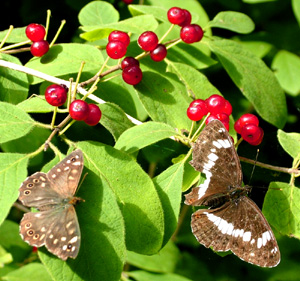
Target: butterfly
[
  {"x": 232, "y": 221},
  {"x": 55, "y": 225}
]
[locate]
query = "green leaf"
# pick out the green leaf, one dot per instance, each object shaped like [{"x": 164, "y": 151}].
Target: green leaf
[
  {"x": 16, "y": 36},
  {"x": 114, "y": 119},
  {"x": 290, "y": 142},
  {"x": 13, "y": 171},
  {"x": 258, "y": 48},
  {"x": 14, "y": 122},
  {"x": 168, "y": 184},
  {"x": 102, "y": 231},
  {"x": 286, "y": 66},
  {"x": 234, "y": 21},
  {"x": 35, "y": 104},
  {"x": 13, "y": 84},
  {"x": 140, "y": 275},
  {"x": 296, "y": 9},
  {"x": 135, "y": 192},
  {"x": 98, "y": 12},
  {"x": 137, "y": 25},
  {"x": 165, "y": 261},
  {"x": 197, "y": 84},
  {"x": 33, "y": 272},
  {"x": 158, "y": 12},
  {"x": 190, "y": 176},
  {"x": 12, "y": 242},
  {"x": 282, "y": 207},
  {"x": 124, "y": 95},
  {"x": 257, "y": 1},
  {"x": 5, "y": 257},
  {"x": 254, "y": 79},
  {"x": 143, "y": 135},
  {"x": 63, "y": 59},
  {"x": 164, "y": 99}
]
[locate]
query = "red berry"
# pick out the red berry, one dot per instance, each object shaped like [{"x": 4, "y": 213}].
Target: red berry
[
  {"x": 56, "y": 95},
  {"x": 159, "y": 53},
  {"x": 227, "y": 108},
  {"x": 191, "y": 33},
  {"x": 132, "y": 75},
  {"x": 128, "y": 61},
  {"x": 176, "y": 15},
  {"x": 252, "y": 133},
  {"x": 39, "y": 48},
  {"x": 94, "y": 115},
  {"x": 245, "y": 119},
  {"x": 35, "y": 32},
  {"x": 200, "y": 103},
  {"x": 188, "y": 18},
  {"x": 34, "y": 249},
  {"x": 148, "y": 41},
  {"x": 213, "y": 117},
  {"x": 221, "y": 117},
  {"x": 215, "y": 104},
  {"x": 127, "y": 1},
  {"x": 116, "y": 49},
  {"x": 259, "y": 140},
  {"x": 117, "y": 35},
  {"x": 194, "y": 113},
  {"x": 79, "y": 110}
]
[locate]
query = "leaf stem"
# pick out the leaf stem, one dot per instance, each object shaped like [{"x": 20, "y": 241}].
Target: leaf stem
[
  {"x": 57, "y": 33},
  {"x": 6, "y": 36}
]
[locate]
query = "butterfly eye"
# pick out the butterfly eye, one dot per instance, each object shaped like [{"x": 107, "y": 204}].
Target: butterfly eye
[
  {"x": 27, "y": 192},
  {"x": 36, "y": 236},
  {"x": 69, "y": 246},
  {"x": 30, "y": 232},
  {"x": 28, "y": 225},
  {"x": 30, "y": 185},
  {"x": 35, "y": 180},
  {"x": 73, "y": 159}
]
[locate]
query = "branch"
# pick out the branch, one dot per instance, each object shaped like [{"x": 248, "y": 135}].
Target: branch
[{"x": 58, "y": 81}]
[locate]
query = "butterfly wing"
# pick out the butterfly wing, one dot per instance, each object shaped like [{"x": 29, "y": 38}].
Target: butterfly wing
[
  {"x": 41, "y": 189},
  {"x": 209, "y": 158},
  {"x": 240, "y": 227},
  {"x": 57, "y": 229},
  {"x": 66, "y": 174},
  {"x": 37, "y": 191}
]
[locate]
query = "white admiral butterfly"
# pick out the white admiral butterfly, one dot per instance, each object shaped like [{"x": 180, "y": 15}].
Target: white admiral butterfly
[{"x": 233, "y": 221}]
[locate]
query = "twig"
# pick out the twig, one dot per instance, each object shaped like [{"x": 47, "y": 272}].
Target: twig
[{"x": 270, "y": 167}]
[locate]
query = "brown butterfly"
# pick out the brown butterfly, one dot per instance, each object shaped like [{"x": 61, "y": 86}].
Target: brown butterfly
[{"x": 55, "y": 225}]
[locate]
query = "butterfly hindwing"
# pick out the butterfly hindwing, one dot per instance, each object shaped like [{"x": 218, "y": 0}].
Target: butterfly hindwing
[{"x": 240, "y": 228}]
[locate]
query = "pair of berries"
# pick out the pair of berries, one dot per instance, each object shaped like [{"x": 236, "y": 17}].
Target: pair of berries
[
  {"x": 56, "y": 95},
  {"x": 218, "y": 107},
  {"x": 248, "y": 127},
  {"x": 36, "y": 33},
  {"x": 189, "y": 33},
  {"x": 148, "y": 41},
  {"x": 80, "y": 110}
]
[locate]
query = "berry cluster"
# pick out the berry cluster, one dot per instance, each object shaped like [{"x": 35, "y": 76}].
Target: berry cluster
[
  {"x": 56, "y": 95},
  {"x": 82, "y": 111},
  {"x": 218, "y": 107},
  {"x": 36, "y": 33},
  {"x": 248, "y": 127},
  {"x": 118, "y": 42},
  {"x": 189, "y": 33}
]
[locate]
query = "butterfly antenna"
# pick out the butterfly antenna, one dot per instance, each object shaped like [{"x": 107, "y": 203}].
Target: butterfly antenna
[
  {"x": 81, "y": 182},
  {"x": 254, "y": 166}
]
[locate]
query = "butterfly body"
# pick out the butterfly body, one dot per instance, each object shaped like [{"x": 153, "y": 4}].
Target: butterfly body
[
  {"x": 233, "y": 221},
  {"x": 55, "y": 225}
]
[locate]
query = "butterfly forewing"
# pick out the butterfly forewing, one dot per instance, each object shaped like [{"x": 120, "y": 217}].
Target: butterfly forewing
[
  {"x": 66, "y": 174},
  {"x": 56, "y": 225},
  {"x": 235, "y": 223},
  {"x": 209, "y": 157}
]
